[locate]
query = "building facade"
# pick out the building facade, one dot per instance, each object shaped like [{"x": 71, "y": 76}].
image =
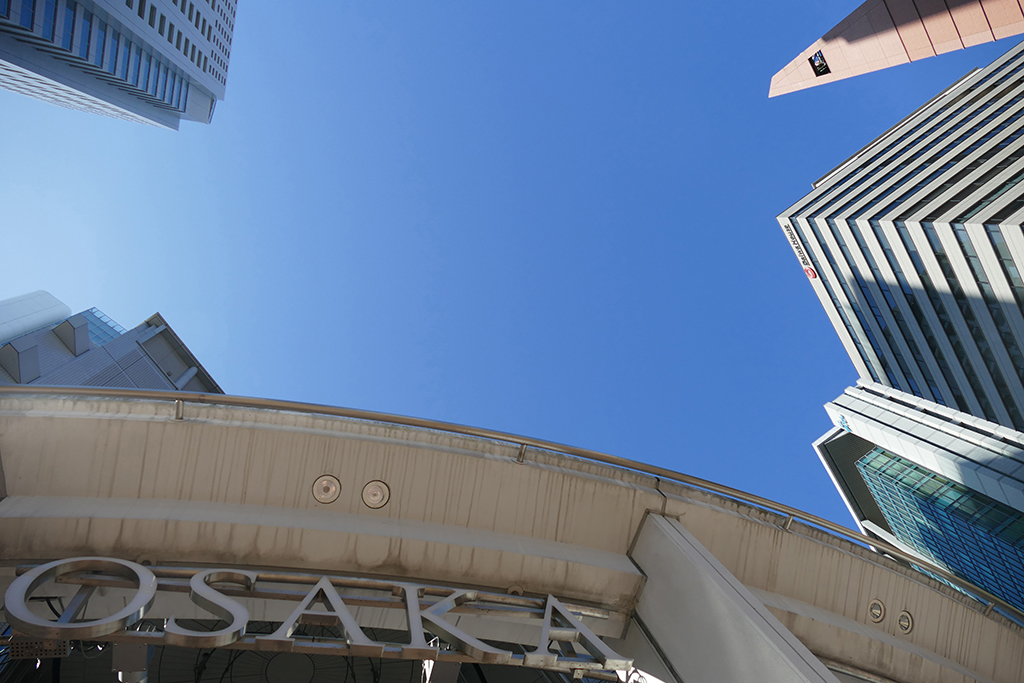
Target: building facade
[
  {"x": 47, "y": 346},
  {"x": 150, "y": 61},
  {"x": 941, "y": 484},
  {"x": 884, "y": 33},
  {"x": 914, "y": 246}
]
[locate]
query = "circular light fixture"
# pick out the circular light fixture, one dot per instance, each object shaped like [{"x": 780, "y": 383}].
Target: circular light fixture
[
  {"x": 376, "y": 494},
  {"x": 905, "y": 621},
  {"x": 326, "y": 489},
  {"x": 876, "y": 610}
]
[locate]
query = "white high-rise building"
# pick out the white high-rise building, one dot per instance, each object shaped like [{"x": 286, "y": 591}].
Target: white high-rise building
[
  {"x": 914, "y": 246},
  {"x": 151, "y": 61}
]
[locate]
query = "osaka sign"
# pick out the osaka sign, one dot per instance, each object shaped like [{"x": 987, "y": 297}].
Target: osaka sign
[{"x": 323, "y": 601}]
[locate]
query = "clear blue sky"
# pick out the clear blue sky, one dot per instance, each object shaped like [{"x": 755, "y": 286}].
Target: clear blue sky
[{"x": 550, "y": 218}]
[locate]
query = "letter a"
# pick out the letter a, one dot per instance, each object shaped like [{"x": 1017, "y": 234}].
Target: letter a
[
  {"x": 337, "y": 614},
  {"x": 570, "y": 629}
]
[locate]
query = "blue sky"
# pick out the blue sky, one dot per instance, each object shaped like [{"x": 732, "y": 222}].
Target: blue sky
[{"x": 550, "y": 218}]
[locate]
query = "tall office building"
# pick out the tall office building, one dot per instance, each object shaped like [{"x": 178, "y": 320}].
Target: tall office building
[
  {"x": 884, "y": 33},
  {"x": 42, "y": 344},
  {"x": 914, "y": 247},
  {"x": 151, "y": 61}
]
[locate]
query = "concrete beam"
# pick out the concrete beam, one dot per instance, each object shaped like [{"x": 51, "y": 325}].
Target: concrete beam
[{"x": 711, "y": 627}]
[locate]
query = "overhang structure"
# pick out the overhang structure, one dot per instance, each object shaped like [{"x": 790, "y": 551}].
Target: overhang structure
[{"x": 685, "y": 579}]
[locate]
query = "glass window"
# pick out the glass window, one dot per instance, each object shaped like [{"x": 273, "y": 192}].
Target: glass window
[
  {"x": 68, "y": 34},
  {"x": 177, "y": 42},
  {"x": 170, "y": 33},
  {"x": 163, "y": 25},
  {"x": 136, "y": 65},
  {"x": 101, "y": 42},
  {"x": 5, "y": 8},
  {"x": 83, "y": 48},
  {"x": 126, "y": 58},
  {"x": 191, "y": 11},
  {"x": 50, "y": 19},
  {"x": 28, "y": 14},
  {"x": 114, "y": 40},
  {"x": 142, "y": 9},
  {"x": 147, "y": 62}
]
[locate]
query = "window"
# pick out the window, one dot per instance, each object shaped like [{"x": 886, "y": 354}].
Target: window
[
  {"x": 130, "y": 3},
  {"x": 83, "y": 48},
  {"x": 28, "y": 14},
  {"x": 146, "y": 64},
  {"x": 163, "y": 24},
  {"x": 114, "y": 40},
  {"x": 101, "y": 42},
  {"x": 193, "y": 57},
  {"x": 142, "y": 9},
  {"x": 191, "y": 11},
  {"x": 50, "y": 19},
  {"x": 5, "y": 8},
  {"x": 818, "y": 63},
  {"x": 186, "y": 47},
  {"x": 204, "y": 62},
  {"x": 203, "y": 29},
  {"x": 152, "y": 16},
  {"x": 136, "y": 65},
  {"x": 126, "y": 58},
  {"x": 177, "y": 43}
]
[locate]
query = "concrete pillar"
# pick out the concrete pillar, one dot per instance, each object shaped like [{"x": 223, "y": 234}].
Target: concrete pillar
[{"x": 709, "y": 627}]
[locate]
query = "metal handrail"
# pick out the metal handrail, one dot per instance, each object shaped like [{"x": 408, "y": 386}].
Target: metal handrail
[{"x": 792, "y": 513}]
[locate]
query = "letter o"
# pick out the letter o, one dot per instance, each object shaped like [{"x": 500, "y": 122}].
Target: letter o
[{"x": 21, "y": 618}]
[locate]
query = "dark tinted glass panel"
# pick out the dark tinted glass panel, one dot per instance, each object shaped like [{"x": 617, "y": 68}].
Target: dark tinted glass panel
[
  {"x": 83, "y": 48},
  {"x": 126, "y": 58},
  {"x": 50, "y": 19},
  {"x": 136, "y": 62},
  {"x": 5, "y": 8},
  {"x": 115, "y": 39},
  {"x": 28, "y": 13},
  {"x": 101, "y": 42},
  {"x": 68, "y": 34}
]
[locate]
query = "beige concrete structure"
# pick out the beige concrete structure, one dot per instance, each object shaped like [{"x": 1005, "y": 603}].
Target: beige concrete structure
[
  {"x": 692, "y": 580},
  {"x": 884, "y": 33}
]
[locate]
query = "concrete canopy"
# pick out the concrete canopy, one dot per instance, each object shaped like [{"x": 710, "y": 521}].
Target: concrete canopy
[{"x": 228, "y": 482}]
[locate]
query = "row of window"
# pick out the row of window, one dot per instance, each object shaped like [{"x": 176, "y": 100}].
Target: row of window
[
  {"x": 104, "y": 47},
  {"x": 967, "y": 532}
]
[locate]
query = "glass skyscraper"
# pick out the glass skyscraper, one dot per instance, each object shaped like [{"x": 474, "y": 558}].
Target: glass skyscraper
[{"x": 151, "y": 61}]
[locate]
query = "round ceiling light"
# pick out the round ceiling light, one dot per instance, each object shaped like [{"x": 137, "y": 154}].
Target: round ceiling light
[
  {"x": 326, "y": 489},
  {"x": 376, "y": 494}
]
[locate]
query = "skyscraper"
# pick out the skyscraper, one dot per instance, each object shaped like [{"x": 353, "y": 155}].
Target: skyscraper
[
  {"x": 151, "y": 61},
  {"x": 42, "y": 344},
  {"x": 914, "y": 246},
  {"x": 884, "y": 33}
]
